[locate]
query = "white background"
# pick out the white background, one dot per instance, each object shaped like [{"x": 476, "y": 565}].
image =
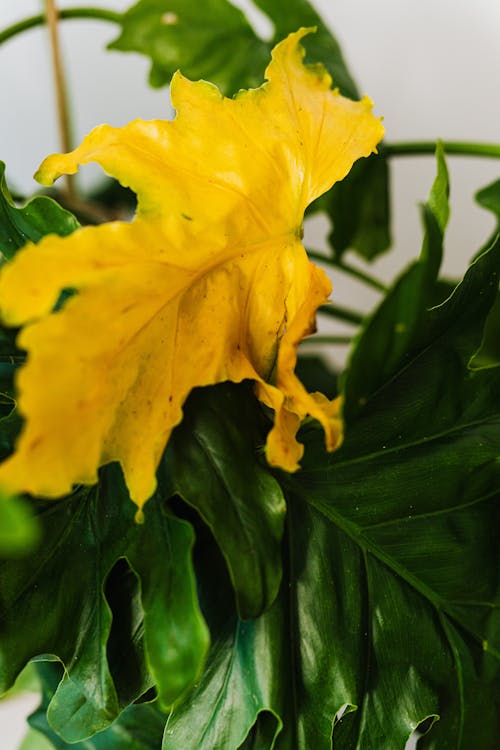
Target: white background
[{"x": 431, "y": 66}]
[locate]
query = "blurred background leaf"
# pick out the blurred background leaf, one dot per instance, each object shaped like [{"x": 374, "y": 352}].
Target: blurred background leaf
[
  {"x": 19, "y": 529},
  {"x": 359, "y": 209},
  {"x": 387, "y": 337},
  {"x": 215, "y": 41},
  {"x": 489, "y": 353}
]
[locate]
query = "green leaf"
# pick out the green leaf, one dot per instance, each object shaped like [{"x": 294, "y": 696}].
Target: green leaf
[
  {"x": 213, "y": 40},
  {"x": 213, "y": 464},
  {"x": 139, "y": 727},
  {"x": 26, "y": 682},
  {"x": 416, "y": 486},
  {"x": 233, "y": 692},
  {"x": 387, "y": 617},
  {"x": 53, "y": 603},
  {"x": 316, "y": 374},
  {"x": 279, "y": 681},
  {"x": 235, "y": 698},
  {"x": 33, "y": 740},
  {"x": 489, "y": 198},
  {"x": 40, "y": 216},
  {"x": 19, "y": 530},
  {"x": 359, "y": 207},
  {"x": 489, "y": 352},
  {"x": 390, "y": 334}
]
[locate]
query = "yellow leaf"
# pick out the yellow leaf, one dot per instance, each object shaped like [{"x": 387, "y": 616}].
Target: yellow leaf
[{"x": 209, "y": 282}]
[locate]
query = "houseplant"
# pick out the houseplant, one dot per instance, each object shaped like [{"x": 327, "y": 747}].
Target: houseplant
[{"x": 355, "y": 596}]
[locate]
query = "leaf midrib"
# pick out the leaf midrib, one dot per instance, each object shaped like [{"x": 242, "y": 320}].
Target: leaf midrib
[
  {"x": 400, "y": 447},
  {"x": 367, "y": 545}
]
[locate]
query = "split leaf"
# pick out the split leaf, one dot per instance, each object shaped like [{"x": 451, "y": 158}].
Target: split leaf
[
  {"x": 148, "y": 630},
  {"x": 139, "y": 727},
  {"x": 387, "y": 619},
  {"x": 213, "y": 463},
  {"x": 209, "y": 283}
]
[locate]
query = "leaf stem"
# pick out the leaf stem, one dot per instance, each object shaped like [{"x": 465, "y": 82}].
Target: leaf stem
[
  {"x": 39, "y": 20},
  {"x": 342, "y": 313},
  {"x": 342, "y": 340},
  {"x": 63, "y": 116},
  {"x": 348, "y": 269},
  {"x": 462, "y": 148}
]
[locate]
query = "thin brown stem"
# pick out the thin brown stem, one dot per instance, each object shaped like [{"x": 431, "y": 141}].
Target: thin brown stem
[{"x": 63, "y": 116}]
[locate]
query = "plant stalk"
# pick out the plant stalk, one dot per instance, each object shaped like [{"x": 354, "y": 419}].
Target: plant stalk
[
  {"x": 326, "y": 339},
  {"x": 63, "y": 116},
  {"x": 348, "y": 269},
  {"x": 33, "y": 21},
  {"x": 342, "y": 313},
  {"x": 461, "y": 148}
]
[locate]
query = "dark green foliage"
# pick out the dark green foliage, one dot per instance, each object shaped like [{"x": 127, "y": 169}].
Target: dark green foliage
[
  {"x": 489, "y": 354},
  {"x": 214, "y": 464},
  {"x": 489, "y": 198},
  {"x": 19, "y": 532},
  {"x": 359, "y": 208},
  {"x": 388, "y": 607},
  {"x": 348, "y": 604},
  {"x": 392, "y": 332},
  {"x": 139, "y": 727},
  {"x": 31, "y": 222},
  {"x": 53, "y": 602}
]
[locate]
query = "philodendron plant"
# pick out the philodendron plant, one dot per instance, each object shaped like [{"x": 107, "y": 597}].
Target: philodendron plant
[{"x": 210, "y": 540}]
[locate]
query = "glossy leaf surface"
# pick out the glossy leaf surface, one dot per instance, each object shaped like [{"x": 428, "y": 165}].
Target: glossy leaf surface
[
  {"x": 416, "y": 487},
  {"x": 53, "y": 603},
  {"x": 381, "y": 581},
  {"x": 214, "y": 464},
  {"x": 139, "y": 727},
  {"x": 388, "y": 612},
  {"x": 40, "y": 216}
]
